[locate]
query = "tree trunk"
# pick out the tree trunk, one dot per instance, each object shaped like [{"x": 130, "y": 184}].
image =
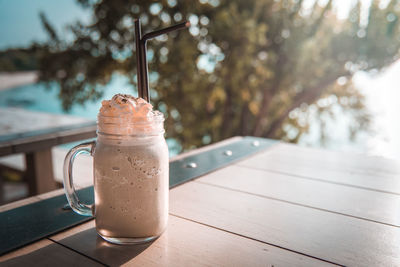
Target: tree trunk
[
  {"x": 227, "y": 116},
  {"x": 269, "y": 92},
  {"x": 244, "y": 120},
  {"x": 307, "y": 96}
]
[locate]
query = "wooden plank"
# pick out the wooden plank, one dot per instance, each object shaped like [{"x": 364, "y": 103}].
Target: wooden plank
[
  {"x": 50, "y": 140},
  {"x": 76, "y": 134},
  {"x": 351, "y": 201},
  {"x": 45, "y": 253},
  {"x": 39, "y": 173},
  {"x": 336, "y": 238},
  {"x": 184, "y": 243},
  {"x": 26, "y": 131},
  {"x": 26, "y": 250},
  {"x": 19, "y": 203},
  {"x": 18, "y": 120},
  {"x": 34, "y": 143},
  {"x": 372, "y": 173},
  {"x": 37, "y": 254}
]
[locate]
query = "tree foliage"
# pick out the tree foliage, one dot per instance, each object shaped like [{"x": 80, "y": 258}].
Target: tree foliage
[
  {"x": 20, "y": 59},
  {"x": 247, "y": 67}
]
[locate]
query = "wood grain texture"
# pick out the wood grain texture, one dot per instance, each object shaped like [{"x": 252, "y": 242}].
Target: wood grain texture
[
  {"x": 184, "y": 243},
  {"x": 361, "y": 203},
  {"x": 336, "y": 238},
  {"x": 45, "y": 253},
  {"x": 372, "y": 173}
]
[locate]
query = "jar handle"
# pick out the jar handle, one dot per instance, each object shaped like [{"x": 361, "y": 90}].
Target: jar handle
[{"x": 69, "y": 188}]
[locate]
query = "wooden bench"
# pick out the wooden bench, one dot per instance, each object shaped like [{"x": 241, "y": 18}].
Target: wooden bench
[
  {"x": 34, "y": 134},
  {"x": 82, "y": 167}
]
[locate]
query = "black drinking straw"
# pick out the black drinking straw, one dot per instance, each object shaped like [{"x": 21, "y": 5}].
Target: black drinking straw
[
  {"x": 141, "y": 65},
  {"x": 138, "y": 36}
]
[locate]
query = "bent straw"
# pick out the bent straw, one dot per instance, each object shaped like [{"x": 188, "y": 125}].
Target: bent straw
[
  {"x": 141, "y": 43},
  {"x": 179, "y": 26}
]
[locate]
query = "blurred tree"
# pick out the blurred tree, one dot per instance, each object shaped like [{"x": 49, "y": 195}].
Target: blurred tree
[
  {"x": 248, "y": 67},
  {"x": 20, "y": 59}
]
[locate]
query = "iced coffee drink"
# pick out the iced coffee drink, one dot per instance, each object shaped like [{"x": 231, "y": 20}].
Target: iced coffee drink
[
  {"x": 130, "y": 171},
  {"x": 131, "y": 176}
]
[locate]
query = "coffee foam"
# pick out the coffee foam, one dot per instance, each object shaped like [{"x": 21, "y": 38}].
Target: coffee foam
[{"x": 128, "y": 115}]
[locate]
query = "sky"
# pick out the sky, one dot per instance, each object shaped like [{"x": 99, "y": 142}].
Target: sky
[{"x": 20, "y": 24}]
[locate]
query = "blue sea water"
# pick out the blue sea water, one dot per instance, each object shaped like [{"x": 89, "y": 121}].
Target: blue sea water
[{"x": 39, "y": 97}]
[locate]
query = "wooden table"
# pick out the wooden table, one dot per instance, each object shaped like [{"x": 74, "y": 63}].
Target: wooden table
[
  {"x": 34, "y": 134},
  {"x": 285, "y": 206}
]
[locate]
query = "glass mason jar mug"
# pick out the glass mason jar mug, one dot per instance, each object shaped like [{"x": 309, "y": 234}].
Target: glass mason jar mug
[{"x": 131, "y": 180}]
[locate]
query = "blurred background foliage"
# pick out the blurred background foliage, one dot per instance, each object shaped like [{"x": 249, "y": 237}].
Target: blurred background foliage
[{"x": 246, "y": 67}]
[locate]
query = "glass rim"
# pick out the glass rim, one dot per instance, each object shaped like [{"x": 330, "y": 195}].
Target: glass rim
[{"x": 145, "y": 134}]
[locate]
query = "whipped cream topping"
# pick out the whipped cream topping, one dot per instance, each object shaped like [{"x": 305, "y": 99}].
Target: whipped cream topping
[
  {"x": 128, "y": 115},
  {"x": 126, "y": 106}
]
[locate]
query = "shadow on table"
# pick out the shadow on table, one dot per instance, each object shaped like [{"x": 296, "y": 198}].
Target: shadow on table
[
  {"x": 87, "y": 243},
  {"x": 50, "y": 255}
]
